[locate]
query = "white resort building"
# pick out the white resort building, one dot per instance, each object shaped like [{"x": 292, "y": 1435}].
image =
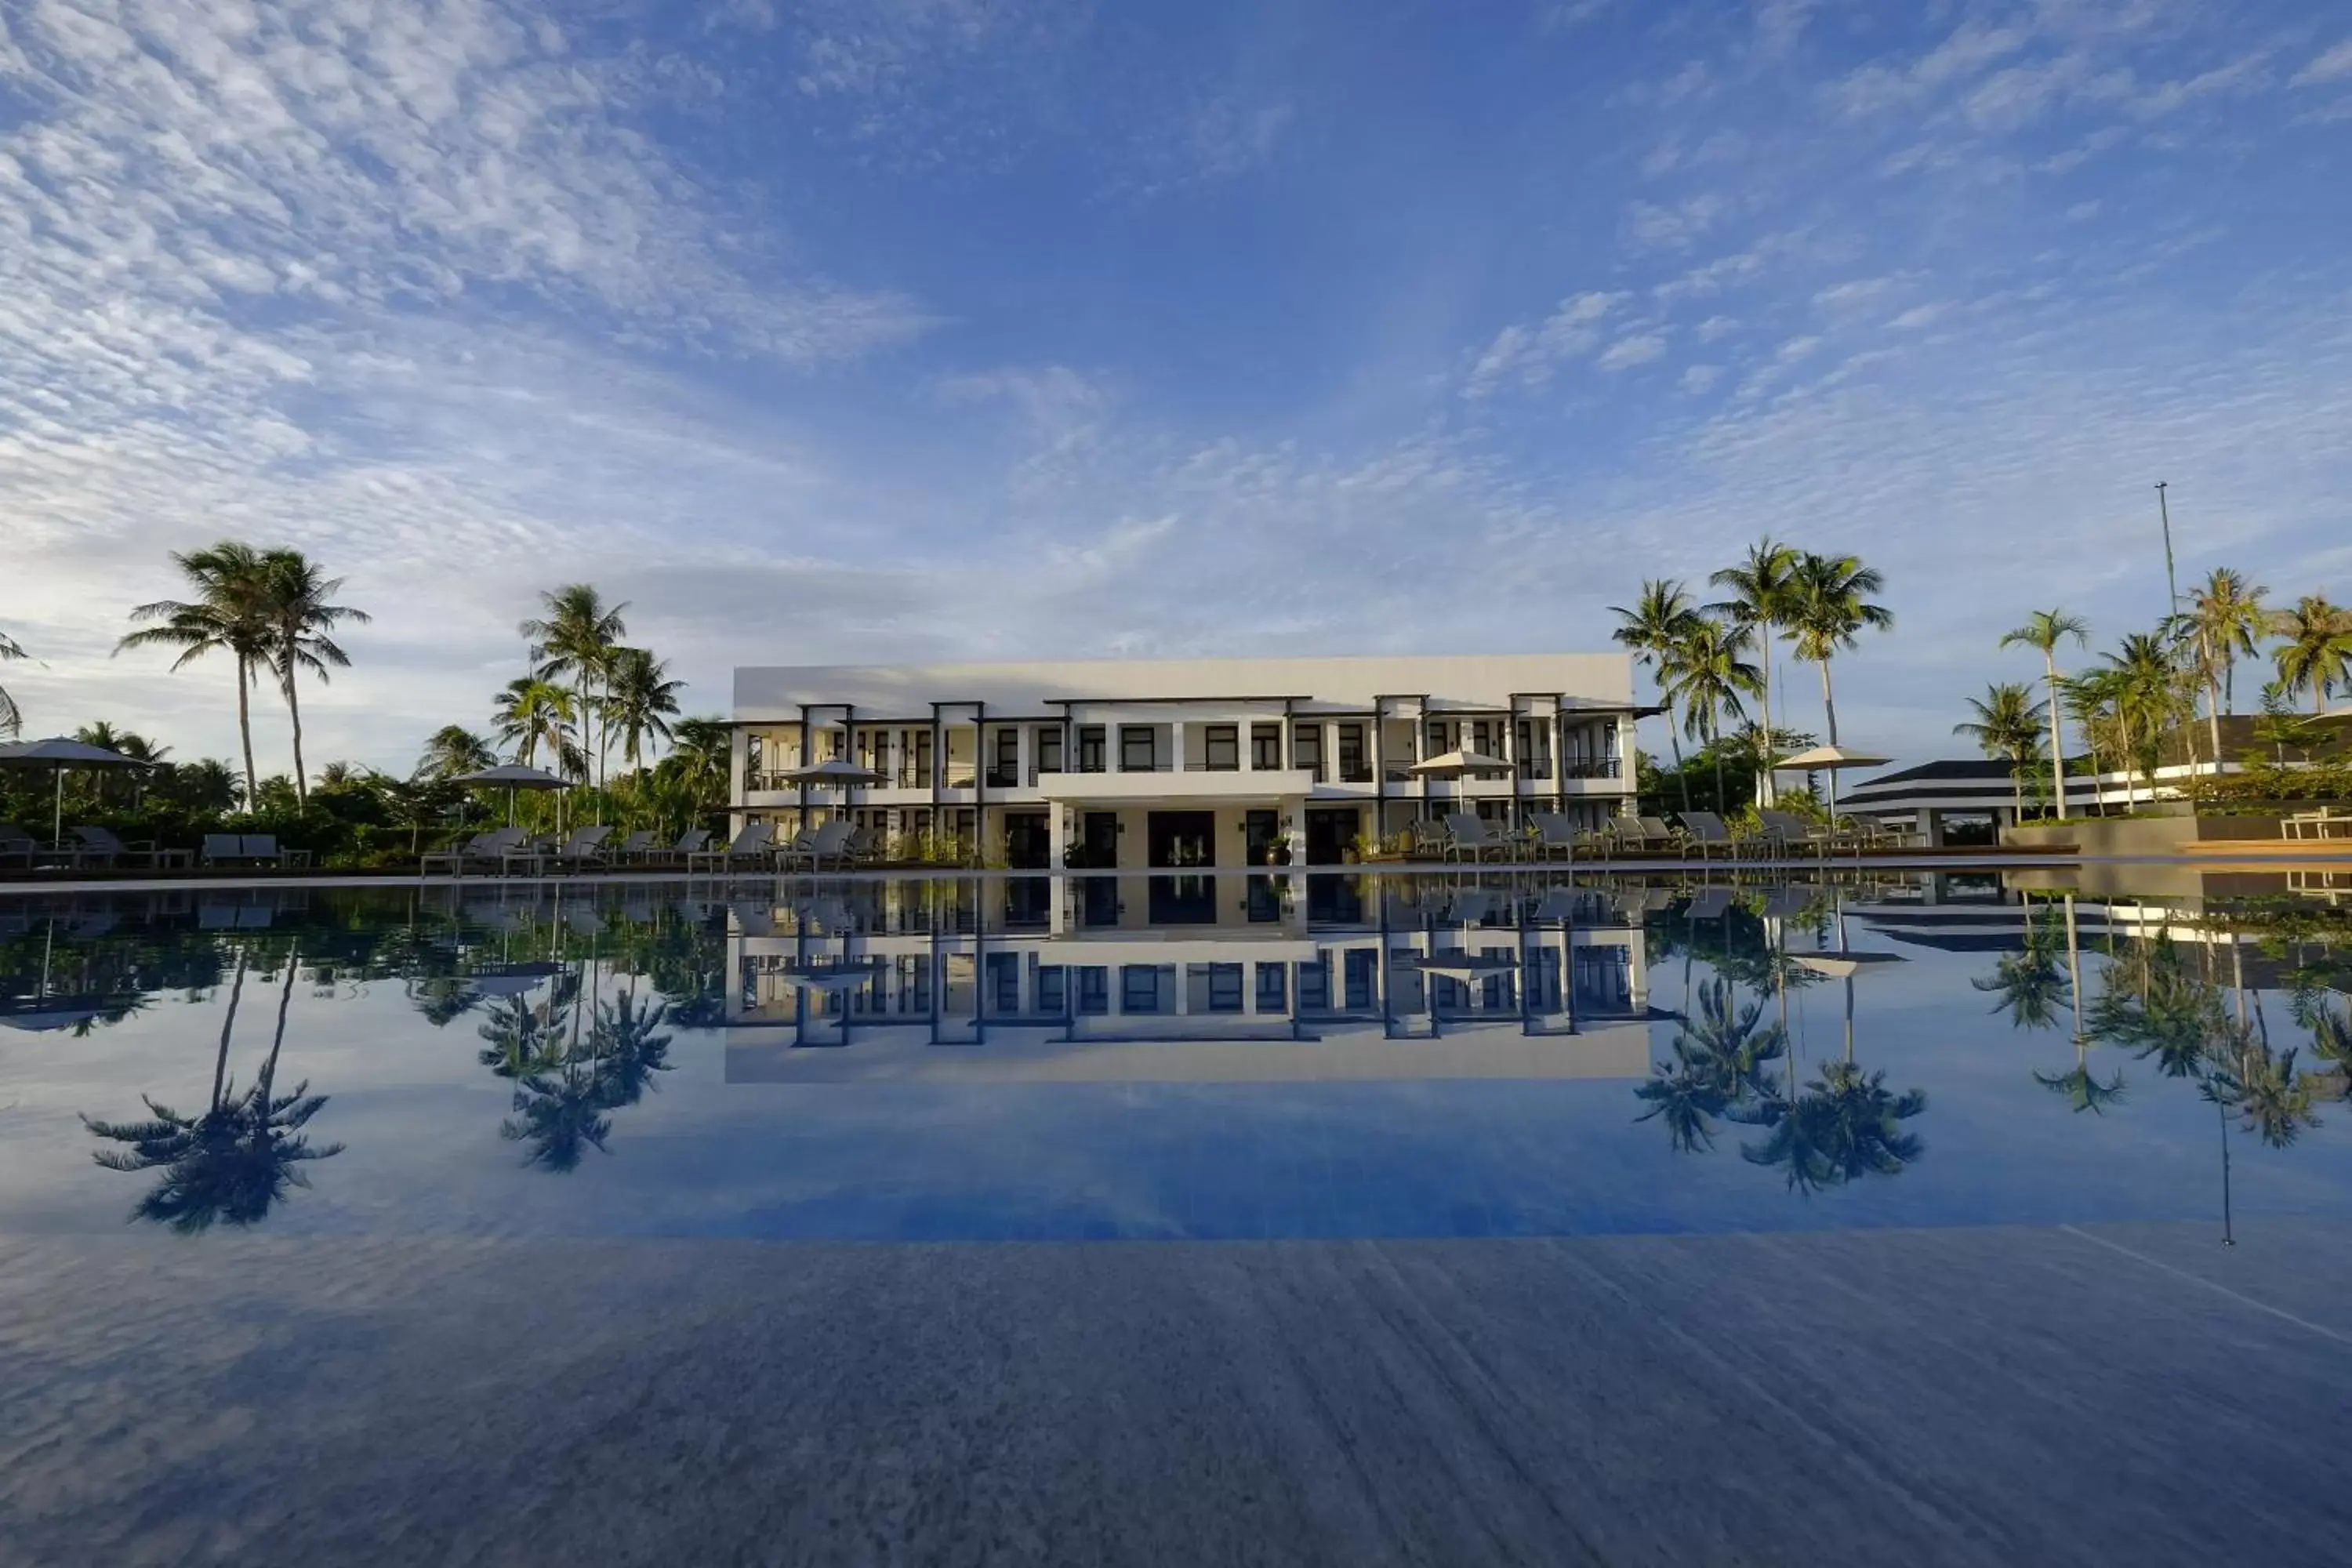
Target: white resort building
[{"x": 1145, "y": 764}]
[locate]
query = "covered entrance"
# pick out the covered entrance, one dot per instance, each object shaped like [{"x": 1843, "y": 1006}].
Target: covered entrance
[
  {"x": 1028, "y": 842},
  {"x": 1331, "y": 833},
  {"x": 1179, "y": 838}
]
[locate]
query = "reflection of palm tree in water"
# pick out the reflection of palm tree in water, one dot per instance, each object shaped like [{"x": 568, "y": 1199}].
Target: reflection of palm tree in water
[
  {"x": 2032, "y": 990},
  {"x": 1843, "y": 1126},
  {"x": 236, "y": 1159},
  {"x": 1714, "y": 1065},
  {"x": 564, "y": 1095}
]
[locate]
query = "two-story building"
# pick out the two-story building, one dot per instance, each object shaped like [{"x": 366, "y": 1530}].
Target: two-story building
[{"x": 1120, "y": 765}]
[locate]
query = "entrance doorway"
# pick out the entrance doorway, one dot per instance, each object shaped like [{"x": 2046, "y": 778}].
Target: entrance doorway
[
  {"x": 1330, "y": 833},
  {"x": 1028, "y": 842},
  {"x": 1182, "y": 838},
  {"x": 1261, "y": 836}
]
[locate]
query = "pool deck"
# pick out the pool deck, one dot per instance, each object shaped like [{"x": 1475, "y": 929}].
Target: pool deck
[{"x": 1989, "y": 1395}]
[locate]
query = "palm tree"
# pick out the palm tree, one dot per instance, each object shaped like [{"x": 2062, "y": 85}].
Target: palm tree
[
  {"x": 1653, "y": 629},
  {"x": 1844, "y": 1126},
  {"x": 1762, "y": 597},
  {"x": 1706, "y": 677},
  {"x": 2227, "y": 620},
  {"x": 532, "y": 711},
  {"x": 2314, "y": 651},
  {"x": 2028, "y": 985},
  {"x": 1829, "y": 604},
  {"x": 12, "y": 718},
  {"x": 640, "y": 701},
  {"x": 2145, "y": 683},
  {"x": 452, "y": 749},
  {"x": 2008, "y": 723},
  {"x": 230, "y": 613},
  {"x": 296, "y": 595},
  {"x": 2045, "y": 630},
  {"x": 576, "y": 636},
  {"x": 1718, "y": 1064}
]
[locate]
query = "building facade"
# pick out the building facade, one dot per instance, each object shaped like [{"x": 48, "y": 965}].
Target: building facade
[{"x": 1171, "y": 764}]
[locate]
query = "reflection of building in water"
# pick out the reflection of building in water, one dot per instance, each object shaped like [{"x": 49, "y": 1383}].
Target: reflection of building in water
[{"x": 1447, "y": 978}]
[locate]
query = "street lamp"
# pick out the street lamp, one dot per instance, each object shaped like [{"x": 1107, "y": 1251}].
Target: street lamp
[{"x": 2171, "y": 583}]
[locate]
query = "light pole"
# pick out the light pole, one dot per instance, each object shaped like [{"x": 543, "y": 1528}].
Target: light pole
[{"x": 2171, "y": 583}]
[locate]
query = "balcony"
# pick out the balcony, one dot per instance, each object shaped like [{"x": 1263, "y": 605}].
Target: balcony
[{"x": 1593, "y": 768}]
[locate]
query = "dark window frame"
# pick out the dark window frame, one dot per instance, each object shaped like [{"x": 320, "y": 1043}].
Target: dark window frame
[
  {"x": 1220, "y": 748},
  {"x": 1094, "y": 746},
  {"x": 1265, "y": 747},
  {"x": 1129, "y": 737}
]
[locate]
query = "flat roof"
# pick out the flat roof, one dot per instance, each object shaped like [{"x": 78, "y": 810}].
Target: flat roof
[{"x": 776, "y": 692}]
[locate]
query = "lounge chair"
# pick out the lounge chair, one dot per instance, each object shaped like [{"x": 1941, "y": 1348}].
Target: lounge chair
[
  {"x": 1556, "y": 835},
  {"x": 484, "y": 850},
  {"x": 16, "y": 844},
  {"x": 752, "y": 847},
  {"x": 634, "y": 848},
  {"x": 102, "y": 845},
  {"x": 1467, "y": 833},
  {"x": 1707, "y": 833},
  {"x": 1786, "y": 833},
  {"x": 261, "y": 849},
  {"x": 1429, "y": 839},
  {"x": 585, "y": 847},
  {"x": 1658, "y": 834},
  {"x": 829, "y": 841}
]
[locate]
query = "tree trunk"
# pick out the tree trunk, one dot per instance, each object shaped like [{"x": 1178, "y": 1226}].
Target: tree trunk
[
  {"x": 228, "y": 1026},
  {"x": 1675, "y": 740},
  {"x": 2057, "y": 740},
  {"x": 294, "y": 712},
  {"x": 2212, "y": 698},
  {"x": 1829, "y": 701},
  {"x": 1764, "y": 795},
  {"x": 245, "y": 731}
]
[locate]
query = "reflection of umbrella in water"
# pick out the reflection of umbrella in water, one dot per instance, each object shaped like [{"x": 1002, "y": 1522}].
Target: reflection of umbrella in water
[
  {"x": 1466, "y": 966},
  {"x": 512, "y": 776},
  {"x": 52, "y": 1013},
  {"x": 58, "y": 753},
  {"x": 512, "y": 979},
  {"x": 832, "y": 771},
  {"x": 1845, "y": 963},
  {"x": 828, "y": 978}
]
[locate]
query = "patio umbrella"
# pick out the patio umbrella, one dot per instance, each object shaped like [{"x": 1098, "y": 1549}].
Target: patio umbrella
[
  {"x": 1829, "y": 760},
  {"x": 59, "y": 753},
  {"x": 1455, "y": 764},
  {"x": 513, "y": 776},
  {"x": 833, "y": 769}
]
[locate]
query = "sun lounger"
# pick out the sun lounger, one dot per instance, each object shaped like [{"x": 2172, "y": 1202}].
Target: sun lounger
[
  {"x": 1556, "y": 835},
  {"x": 17, "y": 845},
  {"x": 829, "y": 841},
  {"x": 634, "y": 848},
  {"x": 751, "y": 848},
  {"x": 487, "y": 850},
  {"x": 1467, "y": 833},
  {"x": 1707, "y": 834},
  {"x": 585, "y": 847}
]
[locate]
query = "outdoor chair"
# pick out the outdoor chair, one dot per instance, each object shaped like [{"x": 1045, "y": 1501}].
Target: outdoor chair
[
  {"x": 585, "y": 847},
  {"x": 485, "y": 849},
  {"x": 1786, "y": 833},
  {"x": 634, "y": 848},
  {"x": 829, "y": 841},
  {"x": 223, "y": 850},
  {"x": 1429, "y": 839},
  {"x": 1657, "y": 835},
  {"x": 16, "y": 844},
  {"x": 100, "y": 844},
  {"x": 753, "y": 845},
  {"x": 1556, "y": 834},
  {"x": 261, "y": 849},
  {"x": 1469, "y": 834},
  {"x": 1707, "y": 833}
]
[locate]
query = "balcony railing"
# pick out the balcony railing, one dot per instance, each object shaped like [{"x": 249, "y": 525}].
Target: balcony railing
[
  {"x": 1594, "y": 768},
  {"x": 1004, "y": 778}
]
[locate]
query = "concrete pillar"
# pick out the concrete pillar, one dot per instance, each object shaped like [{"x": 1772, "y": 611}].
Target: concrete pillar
[
  {"x": 1057, "y": 836},
  {"x": 1176, "y": 746},
  {"x": 1933, "y": 831}
]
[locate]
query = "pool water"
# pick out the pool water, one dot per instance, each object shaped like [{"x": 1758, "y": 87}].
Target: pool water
[{"x": 440, "y": 1099}]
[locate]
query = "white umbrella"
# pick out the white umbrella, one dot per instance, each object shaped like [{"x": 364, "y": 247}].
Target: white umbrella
[
  {"x": 1453, "y": 764},
  {"x": 833, "y": 769},
  {"x": 60, "y": 753},
  {"x": 829, "y": 976},
  {"x": 1829, "y": 760},
  {"x": 513, "y": 776}
]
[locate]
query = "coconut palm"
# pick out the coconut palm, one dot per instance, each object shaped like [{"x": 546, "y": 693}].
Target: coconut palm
[
  {"x": 1830, "y": 597},
  {"x": 2045, "y": 630},
  {"x": 532, "y": 712},
  {"x": 12, "y": 718},
  {"x": 296, "y": 599},
  {"x": 1653, "y": 629},
  {"x": 2315, "y": 650},
  {"x": 2008, "y": 723},
  {"x": 2145, "y": 683},
  {"x": 2081, "y": 1085},
  {"x": 640, "y": 701},
  {"x": 2227, "y": 622},
  {"x": 2271, "y": 1099},
  {"x": 1716, "y": 1063},
  {"x": 452, "y": 749},
  {"x": 1706, "y": 677},
  {"x": 2028, "y": 985},
  {"x": 577, "y": 636},
  {"x": 1761, "y": 597},
  {"x": 230, "y": 613}
]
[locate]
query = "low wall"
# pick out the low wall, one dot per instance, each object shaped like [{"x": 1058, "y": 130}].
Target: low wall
[{"x": 2138, "y": 835}]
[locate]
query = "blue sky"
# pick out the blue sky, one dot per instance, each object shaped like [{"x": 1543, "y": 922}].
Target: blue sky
[{"x": 872, "y": 329}]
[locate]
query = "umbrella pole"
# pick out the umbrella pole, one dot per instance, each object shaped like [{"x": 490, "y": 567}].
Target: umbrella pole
[{"x": 58, "y": 811}]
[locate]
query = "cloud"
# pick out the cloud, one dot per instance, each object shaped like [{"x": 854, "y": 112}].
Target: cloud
[
  {"x": 1675, "y": 227},
  {"x": 2333, "y": 64},
  {"x": 1527, "y": 354},
  {"x": 1627, "y": 352},
  {"x": 1701, "y": 378}
]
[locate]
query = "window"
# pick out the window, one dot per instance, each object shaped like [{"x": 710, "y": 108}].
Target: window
[
  {"x": 1363, "y": 974},
  {"x": 1049, "y": 749},
  {"x": 1006, "y": 770},
  {"x": 1222, "y": 752},
  {"x": 1306, "y": 749},
  {"x": 1354, "y": 768},
  {"x": 1270, "y": 988},
  {"x": 1482, "y": 737},
  {"x": 1049, "y": 988},
  {"x": 1534, "y": 750},
  {"x": 1094, "y": 989},
  {"x": 915, "y": 759},
  {"x": 1004, "y": 982},
  {"x": 1314, "y": 985},
  {"x": 1437, "y": 743},
  {"x": 1265, "y": 747},
  {"x": 1137, "y": 752},
  {"x": 1225, "y": 987},
  {"x": 1090, "y": 749},
  {"x": 1139, "y": 988}
]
